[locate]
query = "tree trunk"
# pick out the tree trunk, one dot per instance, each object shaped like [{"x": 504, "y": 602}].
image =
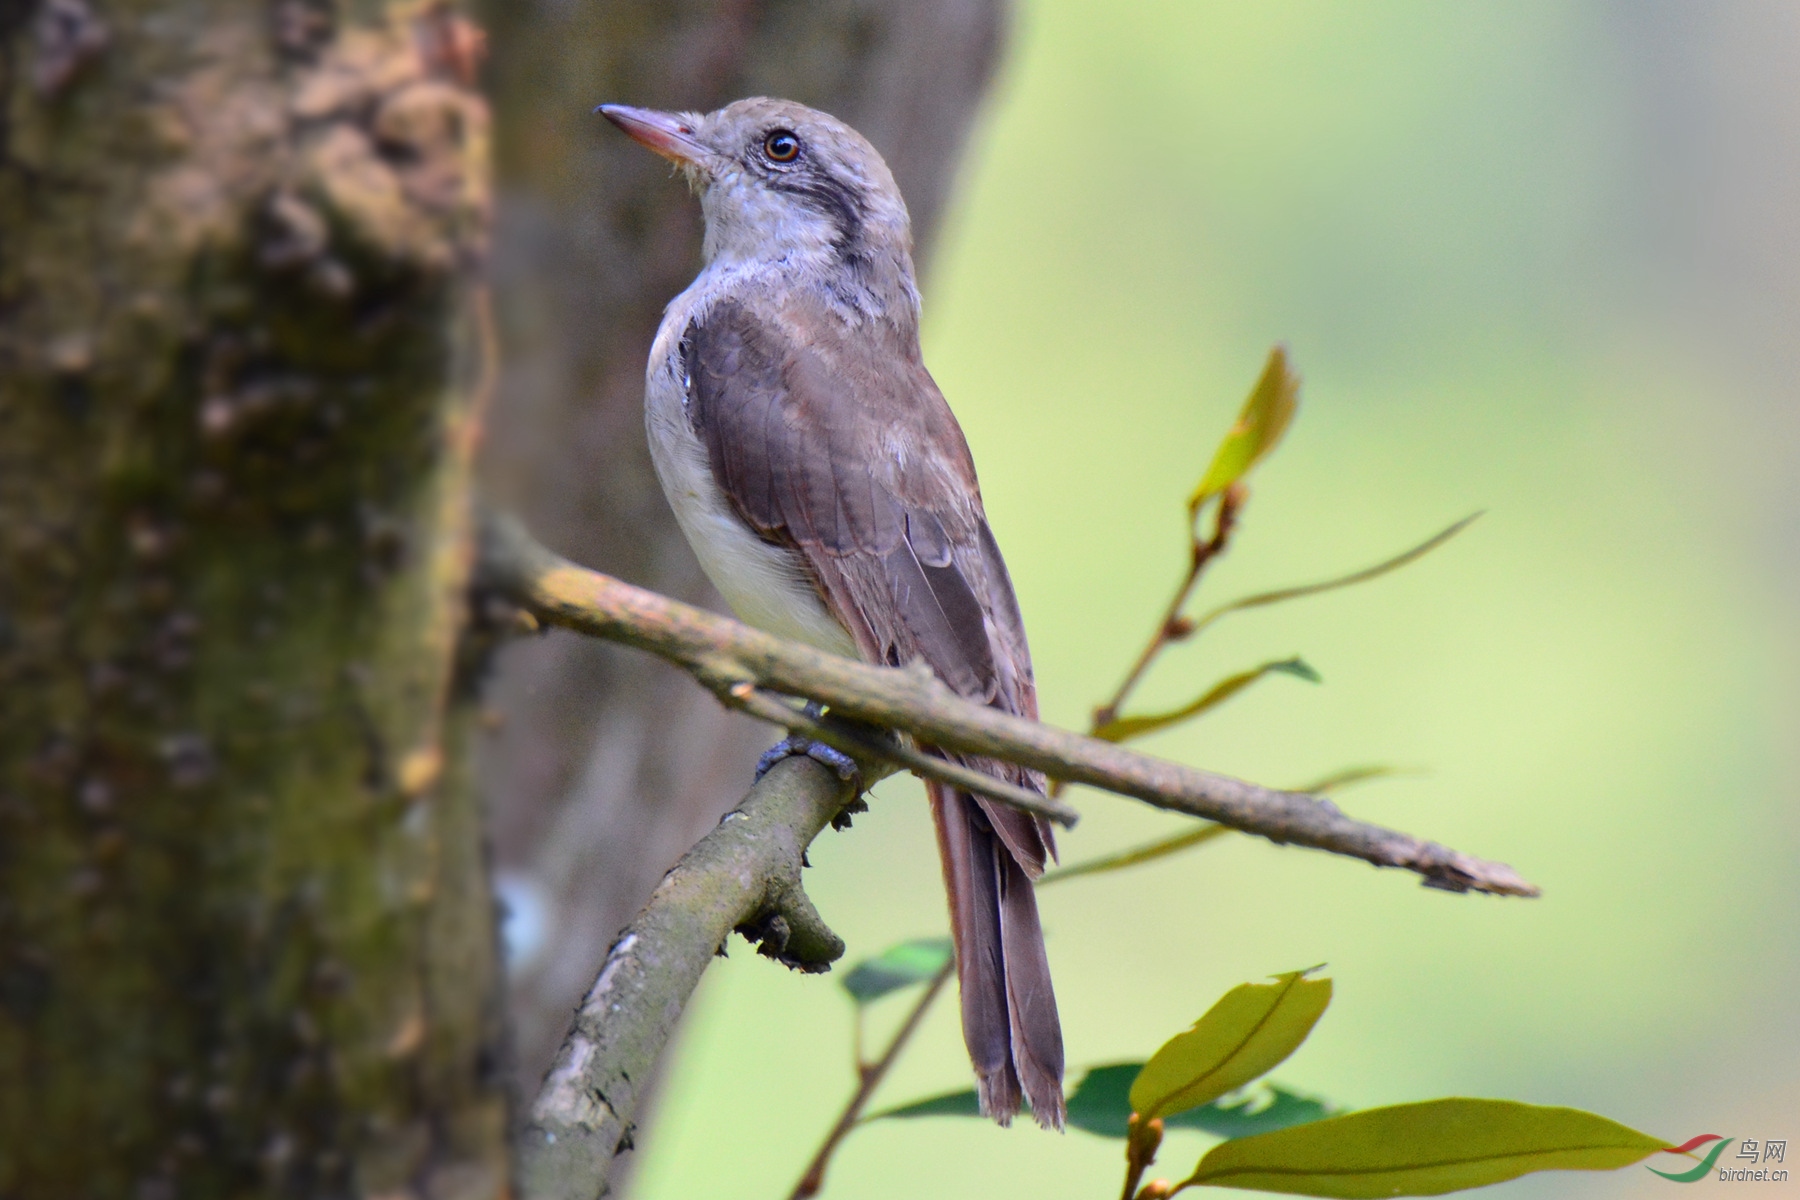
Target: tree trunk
[
  {"x": 610, "y": 765},
  {"x": 245, "y": 933}
]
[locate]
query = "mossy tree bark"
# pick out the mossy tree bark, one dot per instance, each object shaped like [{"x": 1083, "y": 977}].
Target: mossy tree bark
[{"x": 245, "y": 934}]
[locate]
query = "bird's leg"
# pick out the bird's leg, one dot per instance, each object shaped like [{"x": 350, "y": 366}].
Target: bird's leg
[{"x": 840, "y": 763}]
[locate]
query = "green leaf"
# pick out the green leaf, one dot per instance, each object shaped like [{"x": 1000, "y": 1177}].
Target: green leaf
[
  {"x": 1262, "y": 599},
  {"x": 1160, "y": 848},
  {"x": 950, "y": 1104},
  {"x": 896, "y": 967},
  {"x": 1257, "y": 429},
  {"x": 1423, "y": 1150},
  {"x": 1102, "y": 1105},
  {"x": 1121, "y": 729},
  {"x": 1252, "y": 1028},
  {"x": 1098, "y": 1105},
  {"x": 1258, "y": 1112}
]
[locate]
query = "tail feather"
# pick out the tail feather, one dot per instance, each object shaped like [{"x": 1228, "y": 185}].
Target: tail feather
[
  {"x": 1037, "y": 1049},
  {"x": 1009, "y": 1017}
]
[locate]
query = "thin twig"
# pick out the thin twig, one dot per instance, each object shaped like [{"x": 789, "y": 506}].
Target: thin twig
[
  {"x": 760, "y": 704},
  {"x": 1169, "y": 629},
  {"x": 722, "y": 653},
  {"x": 1133, "y": 856},
  {"x": 871, "y": 1077}
]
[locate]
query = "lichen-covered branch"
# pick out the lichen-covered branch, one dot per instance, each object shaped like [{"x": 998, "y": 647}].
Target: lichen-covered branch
[
  {"x": 744, "y": 875},
  {"x": 723, "y": 654}
]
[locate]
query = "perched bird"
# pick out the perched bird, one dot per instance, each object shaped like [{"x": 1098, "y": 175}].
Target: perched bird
[{"x": 830, "y": 496}]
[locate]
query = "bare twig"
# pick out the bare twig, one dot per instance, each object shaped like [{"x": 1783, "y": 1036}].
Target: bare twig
[
  {"x": 869, "y": 1078},
  {"x": 1172, "y": 628},
  {"x": 722, "y": 653},
  {"x": 744, "y": 875},
  {"x": 1133, "y": 856}
]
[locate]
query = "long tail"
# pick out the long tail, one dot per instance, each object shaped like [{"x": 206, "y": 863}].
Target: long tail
[{"x": 1008, "y": 1006}]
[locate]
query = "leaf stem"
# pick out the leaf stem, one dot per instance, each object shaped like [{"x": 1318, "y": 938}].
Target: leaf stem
[
  {"x": 1262, "y": 599},
  {"x": 870, "y": 1078},
  {"x": 1169, "y": 628},
  {"x": 1141, "y": 1144}
]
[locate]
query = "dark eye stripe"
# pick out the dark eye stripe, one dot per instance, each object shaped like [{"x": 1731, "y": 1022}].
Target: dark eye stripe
[{"x": 839, "y": 202}]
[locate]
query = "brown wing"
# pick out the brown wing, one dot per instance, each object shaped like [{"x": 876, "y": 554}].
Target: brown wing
[
  {"x": 836, "y": 442},
  {"x": 840, "y": 445}
]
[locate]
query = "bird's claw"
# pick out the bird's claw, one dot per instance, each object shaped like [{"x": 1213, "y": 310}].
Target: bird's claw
[{"x": 841, "y": 764}]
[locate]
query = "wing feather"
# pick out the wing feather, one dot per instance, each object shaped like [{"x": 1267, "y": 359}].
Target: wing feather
[
  {"x": 824, "y": 447},
  {"x": 797, "y": 431}
]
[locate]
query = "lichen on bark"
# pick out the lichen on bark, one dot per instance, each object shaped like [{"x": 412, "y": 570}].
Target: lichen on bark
[{"x": 245, "y": 936}]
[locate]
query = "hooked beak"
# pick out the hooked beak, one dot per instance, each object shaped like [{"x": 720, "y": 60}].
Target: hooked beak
[{"x": 666, "y": 133}]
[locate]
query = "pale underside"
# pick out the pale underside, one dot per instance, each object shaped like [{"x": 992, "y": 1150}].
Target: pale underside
[{"x": 766, "y": 585}]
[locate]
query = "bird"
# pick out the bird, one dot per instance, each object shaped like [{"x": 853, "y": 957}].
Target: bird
[{"x": 830, "y": 496}]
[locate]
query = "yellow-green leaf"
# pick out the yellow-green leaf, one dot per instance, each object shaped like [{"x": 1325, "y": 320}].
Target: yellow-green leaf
[
  {"x": 1256, "y": 431},
  {"x": 1121, "y": 729},
  {"x": 1422, "y": 1150},
  {"x": 1251, "y": 1029},
  {"x": 1149, "y": 852},
  {"x": 1262, "y": 599}
]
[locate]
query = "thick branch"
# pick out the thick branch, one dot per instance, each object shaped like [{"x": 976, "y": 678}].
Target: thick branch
[
  {"x": 723, "y": 653},
  {"x": 744, "y": 875}
]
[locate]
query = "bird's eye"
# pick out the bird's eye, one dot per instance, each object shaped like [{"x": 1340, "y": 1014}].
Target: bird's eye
[{"x": 781, "y": 146}]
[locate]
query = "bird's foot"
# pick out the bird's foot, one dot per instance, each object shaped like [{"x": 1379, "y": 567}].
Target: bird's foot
[{"x": 841, "y": 764}]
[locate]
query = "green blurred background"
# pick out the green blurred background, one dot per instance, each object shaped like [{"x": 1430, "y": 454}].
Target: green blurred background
[{"x": 1538, "y": 259}]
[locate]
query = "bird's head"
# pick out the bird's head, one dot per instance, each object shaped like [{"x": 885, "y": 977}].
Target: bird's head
[{"x": 780, "y": 181}]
